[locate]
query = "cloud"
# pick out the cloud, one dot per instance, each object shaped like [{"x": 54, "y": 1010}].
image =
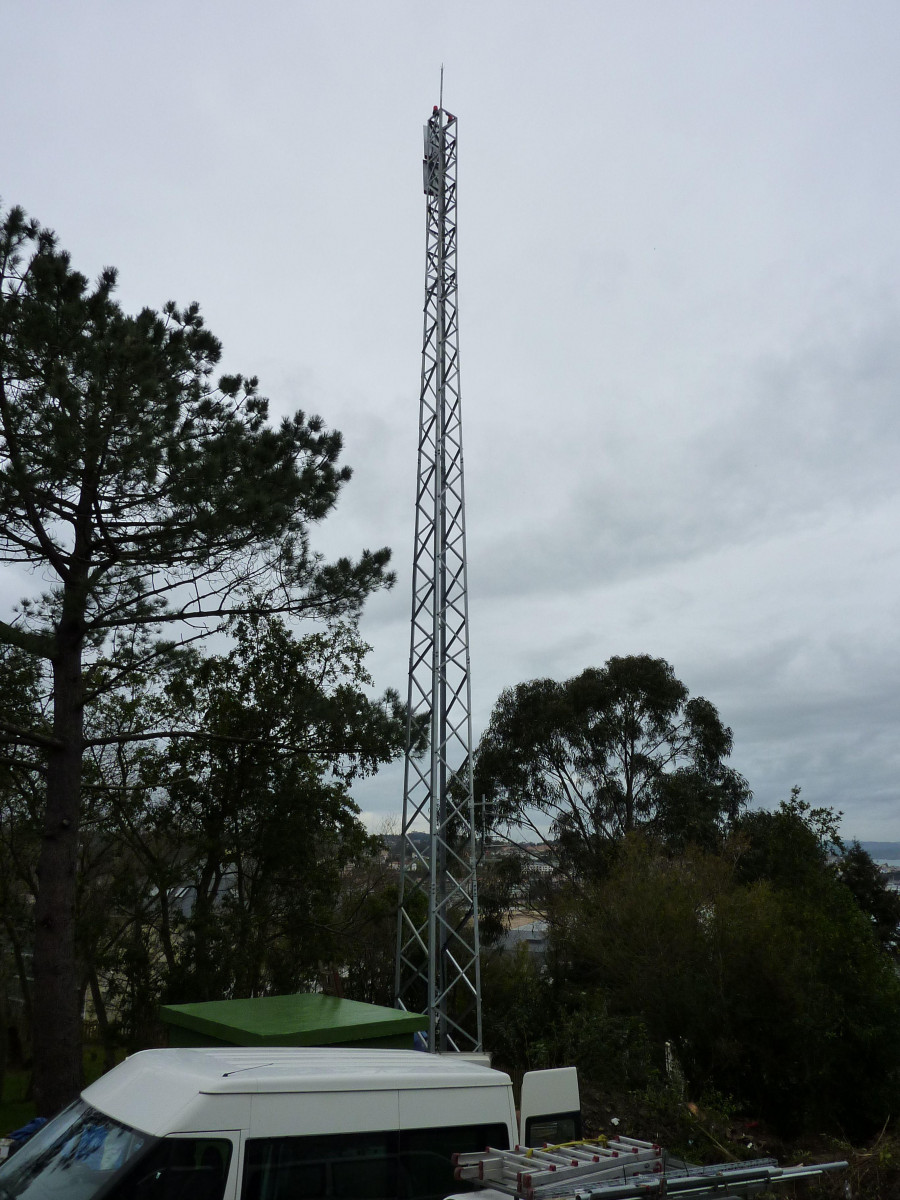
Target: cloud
[
  {"x": 764, "y": 448},
  {"x": 679, "y": 310}
]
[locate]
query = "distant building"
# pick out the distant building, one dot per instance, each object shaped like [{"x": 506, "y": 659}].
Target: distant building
[{"x": 528, "y": 930}]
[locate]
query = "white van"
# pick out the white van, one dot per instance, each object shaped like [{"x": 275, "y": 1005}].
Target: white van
[{"x": 283, "y": 1124}]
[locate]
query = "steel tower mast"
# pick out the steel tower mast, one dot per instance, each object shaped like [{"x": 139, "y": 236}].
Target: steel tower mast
[{"x": 438, "y": 969}]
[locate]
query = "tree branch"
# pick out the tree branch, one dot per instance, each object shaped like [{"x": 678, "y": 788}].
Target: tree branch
[
  {"x": 19, "y": 764},
  {"x": 30, "y": 736},
  {"x": 51, "y": 552},
  {"x": 41, "y": 644}
]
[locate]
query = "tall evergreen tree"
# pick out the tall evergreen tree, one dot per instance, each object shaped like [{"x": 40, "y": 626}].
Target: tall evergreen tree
[{"x": 151, "y": 497}]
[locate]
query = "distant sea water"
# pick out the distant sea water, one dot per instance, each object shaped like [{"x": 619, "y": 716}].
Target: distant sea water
[{"x": 887, "y": 853}]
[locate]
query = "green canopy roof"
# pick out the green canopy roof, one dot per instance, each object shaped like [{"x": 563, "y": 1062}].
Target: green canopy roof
[{"x": 309, "y": 1019}]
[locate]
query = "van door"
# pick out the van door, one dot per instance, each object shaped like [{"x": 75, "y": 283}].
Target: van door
[{"x": 550, "y": 1111}]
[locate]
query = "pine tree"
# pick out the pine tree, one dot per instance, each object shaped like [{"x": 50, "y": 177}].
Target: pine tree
[{"x": 152, "y": 498}]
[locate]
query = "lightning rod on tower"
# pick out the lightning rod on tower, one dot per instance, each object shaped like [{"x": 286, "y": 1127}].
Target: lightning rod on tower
[{"x": 437, "y": 966}]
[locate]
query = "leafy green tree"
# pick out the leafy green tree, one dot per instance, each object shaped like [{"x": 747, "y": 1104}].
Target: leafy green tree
[
  {"x": 777, "y": 994},
  {"x": 151, "y": 497},
  {"x": 792, "y": 846},
  {"x": 612, "y": 750},
  {"x": 535, "y": 1019},
  {"x": 242, "y": 828},
  {"x": 365, "y": 945},
  {"x": 267, "y": 803},
  {"x": 859, "y": 872}
]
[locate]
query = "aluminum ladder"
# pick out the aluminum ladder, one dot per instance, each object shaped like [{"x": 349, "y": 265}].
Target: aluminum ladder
[{"x": 620, "y": 1169}]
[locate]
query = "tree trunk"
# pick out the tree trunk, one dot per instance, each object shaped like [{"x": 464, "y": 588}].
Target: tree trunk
[
  {"x": 106, "y": 1037},
  {"x": 165, "y": 924},
  {"x": 56, "y": 1028},
  {"x": 18, "y": 950},
  {"x": 4, "y": 1028}
]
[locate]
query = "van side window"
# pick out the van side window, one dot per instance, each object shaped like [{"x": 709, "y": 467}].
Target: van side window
[
  {"x": 552, "y": 1129},
  {"x": 179, "y": 1169},
  {"x": 409, "y": 1164},
  {"x": 362, "y": 1165},
  {"x": 426, "y": 1157}
]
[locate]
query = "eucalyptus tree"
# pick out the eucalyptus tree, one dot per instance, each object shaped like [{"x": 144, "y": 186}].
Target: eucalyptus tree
[
  {"x": 143, "y": 495},
  {"x": 615, "y": 749}
]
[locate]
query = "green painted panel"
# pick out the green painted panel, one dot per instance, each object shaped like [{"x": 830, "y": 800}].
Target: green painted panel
[{"x": 308, "y": 1019}]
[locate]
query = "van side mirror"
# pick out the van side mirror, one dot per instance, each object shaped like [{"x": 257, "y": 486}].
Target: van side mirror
[{"x": 550, "y": 1111}]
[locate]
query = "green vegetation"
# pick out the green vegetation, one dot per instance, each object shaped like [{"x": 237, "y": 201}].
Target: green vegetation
[
  {"x": 711, "y": 968},
  {"x": 16, "y": 1109}
]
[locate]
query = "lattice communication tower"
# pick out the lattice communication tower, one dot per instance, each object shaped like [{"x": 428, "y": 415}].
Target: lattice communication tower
[{"x": 438, "y": 969}]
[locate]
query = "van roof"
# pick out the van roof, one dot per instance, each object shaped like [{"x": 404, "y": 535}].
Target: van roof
[
  {"x": 181, "y": 1075},
  {"x": 314, "y": 1069}
]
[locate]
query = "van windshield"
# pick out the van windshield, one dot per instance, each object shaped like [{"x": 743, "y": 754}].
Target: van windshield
[{"x": 78, "y": 1155}]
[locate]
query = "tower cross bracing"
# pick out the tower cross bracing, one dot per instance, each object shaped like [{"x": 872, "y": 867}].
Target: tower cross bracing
[{"x": 438, "y": 970}]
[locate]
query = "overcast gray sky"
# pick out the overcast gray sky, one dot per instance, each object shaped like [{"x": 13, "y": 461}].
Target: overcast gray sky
[{"x": 679, "y": 297}]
